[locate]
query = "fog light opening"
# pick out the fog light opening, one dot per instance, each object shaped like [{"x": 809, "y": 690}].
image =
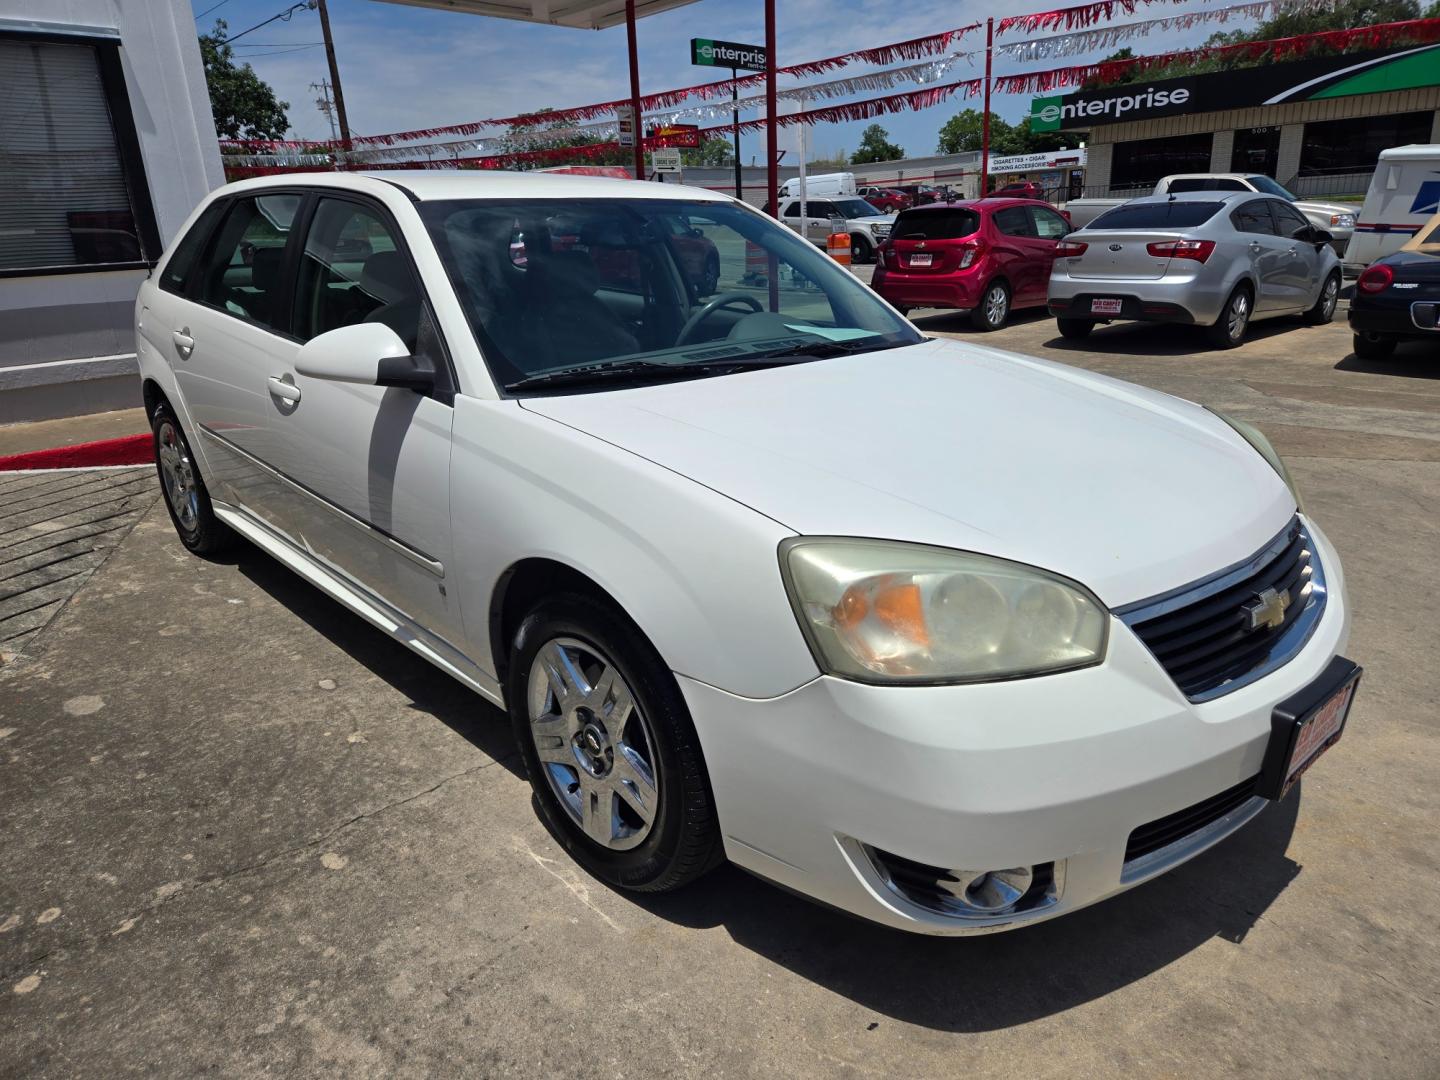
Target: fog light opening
[
  {"x": 1013, "y": 892},
  {"x": 994, "y": 891}
]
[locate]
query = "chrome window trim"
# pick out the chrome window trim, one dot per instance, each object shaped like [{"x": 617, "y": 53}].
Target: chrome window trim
[
  {"x": 1192, "y": 844},
  {"x": 415, "y": 555},
  {"x": 1285, "y": 648}
]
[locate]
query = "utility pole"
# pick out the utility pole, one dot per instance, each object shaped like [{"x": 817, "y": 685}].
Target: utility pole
[
  {"x": 325, "y": 105},
  {"x": 334, "y": 73}
]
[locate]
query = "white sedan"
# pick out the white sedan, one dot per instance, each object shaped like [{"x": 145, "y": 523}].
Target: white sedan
[{"x": 949, "y": 638}]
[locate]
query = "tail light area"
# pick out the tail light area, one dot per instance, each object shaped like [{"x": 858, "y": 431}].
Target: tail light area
[
  {"x": 1070, "y": 249},
  {"x": 968, "y": 254},
  {"x": 1195, "y": 250},
  {"x": 1375, "y": 279}
]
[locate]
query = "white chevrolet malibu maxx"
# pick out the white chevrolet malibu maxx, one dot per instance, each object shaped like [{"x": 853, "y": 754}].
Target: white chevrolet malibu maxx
[{"x": 950, "y": 638}]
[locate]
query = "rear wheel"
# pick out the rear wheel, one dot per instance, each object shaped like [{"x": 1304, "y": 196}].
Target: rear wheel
[
  {"x": 861, "y": 250},
  {"x": 610, "y": 748},
  {"x": 994, "y": 307},
  {"x": 186, "y": 497},
  {"x": 1324, "y": 309},
  {"x": 1075, "y": 329},
  {"x": 1372, "y": 346},
  {"x": 1229, "y": 330}
]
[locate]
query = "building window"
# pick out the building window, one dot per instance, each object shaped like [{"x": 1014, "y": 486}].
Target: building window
[
  {"x": 1145, "y": 162},
  {"x": 1337, "y": 147},
  {"x": 72, "y": 190}
]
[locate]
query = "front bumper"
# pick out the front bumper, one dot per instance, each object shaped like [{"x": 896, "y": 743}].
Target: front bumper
[{"x": 1058, "y": 770}]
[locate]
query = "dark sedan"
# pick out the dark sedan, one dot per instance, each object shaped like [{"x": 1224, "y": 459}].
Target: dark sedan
[{"x": 1397, "y": 298}]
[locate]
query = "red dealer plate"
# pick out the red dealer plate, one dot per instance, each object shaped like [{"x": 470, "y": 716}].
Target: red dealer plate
[
  {"x": 1103, "y": 306},
  {"x": 1306, "y": 725}
]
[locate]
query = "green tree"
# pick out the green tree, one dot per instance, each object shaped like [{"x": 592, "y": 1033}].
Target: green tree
[
  {"x": 965, "y": 131},
  {"x": 244, "y": 104},
  {"x": 1035, "y": 142},
  {"x": 875, "y": 145},
  {"x": 711, "y": 153},
  {"x": 556, "y": 135}
]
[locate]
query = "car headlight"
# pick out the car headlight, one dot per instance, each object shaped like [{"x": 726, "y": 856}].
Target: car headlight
[
  {"x": 880, "y": 611},
  {"x": 1342, "y": 221},
  {"x": 1256, "y": 438}
]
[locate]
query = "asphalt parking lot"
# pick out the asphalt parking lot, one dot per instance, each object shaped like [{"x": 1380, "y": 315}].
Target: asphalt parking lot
[{"x": 246, "y": 833}]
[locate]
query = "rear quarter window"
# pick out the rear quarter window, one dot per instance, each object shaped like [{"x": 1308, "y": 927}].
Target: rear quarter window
[
  {"x": 1161, "y": 215},
  {"x": 945, "y": 224},
  {"x": 187, "y": 251}
]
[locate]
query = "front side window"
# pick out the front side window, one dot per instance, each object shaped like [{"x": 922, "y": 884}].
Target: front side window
[
  {"x": 856, "y": 208},
  {"x": 1048, "y": 224},
  {"x": 1254, "y": 217},
  {"x": 604, "y": 283},
  {"x": 69, "y": 197},
  {"x": 1292, "y": 223},
  {"x": 245, "y": 268}
]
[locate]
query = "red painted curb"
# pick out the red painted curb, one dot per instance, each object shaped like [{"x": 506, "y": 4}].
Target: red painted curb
[{"x": 129, "y": 450}]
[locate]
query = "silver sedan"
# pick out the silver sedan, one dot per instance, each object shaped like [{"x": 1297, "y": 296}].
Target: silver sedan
[{"x": 1210, "y": 258}]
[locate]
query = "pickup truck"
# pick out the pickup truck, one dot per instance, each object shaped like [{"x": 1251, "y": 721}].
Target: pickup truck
[{"x": 1336, "y": 219}]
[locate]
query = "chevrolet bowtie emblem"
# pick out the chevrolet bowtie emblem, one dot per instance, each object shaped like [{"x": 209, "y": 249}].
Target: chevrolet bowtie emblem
[{"x": 1267, "y": 609}]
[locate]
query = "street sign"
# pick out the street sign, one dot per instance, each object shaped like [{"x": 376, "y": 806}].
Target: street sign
[
  {"x": 664, "y": 160},
  {"x": 625, "y": 121},
  {"x": 686, "y": 135},
  {"x": 729, "y": 54}
]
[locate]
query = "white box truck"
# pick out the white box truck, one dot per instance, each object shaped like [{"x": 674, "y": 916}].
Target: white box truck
[
  {"x": 1404, "y": 194},
  {"x": 819, "y": 187}
]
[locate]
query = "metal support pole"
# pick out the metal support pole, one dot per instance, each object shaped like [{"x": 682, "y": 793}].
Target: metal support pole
[
  {"x": 735, "y": 121},
  {"x": 334, "y": 74},
  {"x": 772, "y": 150},
  {"x": 635, "y": 90},
  {"x": 985, "y": 136}
]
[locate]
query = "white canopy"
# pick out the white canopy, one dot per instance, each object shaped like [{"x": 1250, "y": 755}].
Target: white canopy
[{"x": 585, "y": 14}]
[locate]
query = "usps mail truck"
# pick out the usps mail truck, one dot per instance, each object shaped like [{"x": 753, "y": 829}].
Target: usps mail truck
[{"x": 1404, "y": 194}]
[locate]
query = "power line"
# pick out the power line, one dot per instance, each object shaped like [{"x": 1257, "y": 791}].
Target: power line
[
  {"x": 281, "y": 52},
  {"x": 277, "y": 44},
  {"x": 207, "y": 11},
  {"x": 304, "y": 5}
]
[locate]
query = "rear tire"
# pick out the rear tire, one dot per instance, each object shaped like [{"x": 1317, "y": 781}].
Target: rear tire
[
  {"x": 1229, "y": 330},
  {"x": 622, "y": 787},
  {"x": 1324, "y": 309},
  {"x": 861, "y": 250},
  {"x": 186, "y": 497},
  {"x": 994, "y": 308},
  {"x": 1372, "y": 346},
  {"x": 1075, "y": 329}
]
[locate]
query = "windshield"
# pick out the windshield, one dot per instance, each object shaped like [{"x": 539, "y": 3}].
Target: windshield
[
  {"x": 1172, "y": 214},
  {"x": 557, "y": 285},
  {"x": 1270, "y": 187},
  {"x": 853, "y": 208}
]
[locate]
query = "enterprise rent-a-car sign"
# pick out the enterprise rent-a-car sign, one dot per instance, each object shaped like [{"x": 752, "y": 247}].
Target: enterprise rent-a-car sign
[
  {"x": 1304, "y": 80},
  {"x": 710, "y": 53}
]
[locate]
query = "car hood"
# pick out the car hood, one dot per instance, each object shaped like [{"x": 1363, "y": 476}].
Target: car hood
[
  {"x": 874, "y": 219},
  {"x": 1126, "y": 490},
  {"x": 1306, "y": 205}
]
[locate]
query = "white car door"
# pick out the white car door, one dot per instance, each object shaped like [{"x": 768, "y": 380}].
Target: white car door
[
  {"x": 367, "y": 467},
  {"x": 223, "y": 335},
  {"x": 1268, "y": 253}
]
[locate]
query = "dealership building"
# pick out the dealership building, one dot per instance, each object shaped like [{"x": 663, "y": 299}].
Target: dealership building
[{"x": 1315, "y": 125}]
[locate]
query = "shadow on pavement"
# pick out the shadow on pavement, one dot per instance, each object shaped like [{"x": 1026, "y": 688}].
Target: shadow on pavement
[
  {"x": 1165, "y": 339},
  {"x": 996, "y": 981},
  {"x": 430, "y": 691},
  {"x": 1412, "y": 360}
]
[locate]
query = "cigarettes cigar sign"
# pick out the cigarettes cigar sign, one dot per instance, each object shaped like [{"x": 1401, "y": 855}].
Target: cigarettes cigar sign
[
  {"x": 1273, "y": 84},
  {"x": 728, "y": 54}
]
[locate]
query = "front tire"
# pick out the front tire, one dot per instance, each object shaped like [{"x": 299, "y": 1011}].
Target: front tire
[
  {"x": 1324, "y": 309},
  {"x": 1372, "y": 346},
  {"x": 1229, "y": 330},
  {"x": 861, "y": 250},
  {"x": 994, "y": 308},
  {"x": 1075, "y": 329},
  {"x": 186, "y": 496},
  {"x": 611, "y": 751}
]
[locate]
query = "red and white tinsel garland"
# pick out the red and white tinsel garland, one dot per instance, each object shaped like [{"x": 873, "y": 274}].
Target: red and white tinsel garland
[{"x": 1072, "y": 18}]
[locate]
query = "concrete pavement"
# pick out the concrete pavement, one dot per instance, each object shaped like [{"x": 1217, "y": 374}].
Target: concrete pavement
[{"x": 244, "y": 833}]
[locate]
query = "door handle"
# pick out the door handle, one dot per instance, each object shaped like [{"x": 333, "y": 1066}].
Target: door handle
[
  {"x": 184, "y": 343},
  {"x": 284, "y": 388}
]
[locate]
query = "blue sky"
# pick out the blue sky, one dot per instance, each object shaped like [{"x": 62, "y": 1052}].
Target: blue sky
[{"x": 406, "y": 67}]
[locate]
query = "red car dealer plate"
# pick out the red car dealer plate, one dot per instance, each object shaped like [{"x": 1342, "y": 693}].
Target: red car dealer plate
[
  {"x": 1304, "y": 726},
  {"x": 1105, "y": 306}
]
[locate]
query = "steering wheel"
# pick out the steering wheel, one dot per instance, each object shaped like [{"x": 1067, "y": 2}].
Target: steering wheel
[{"x": 715, "y": 304}]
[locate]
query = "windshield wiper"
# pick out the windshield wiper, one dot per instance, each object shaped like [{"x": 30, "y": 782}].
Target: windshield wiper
[
  {"x": 644, "y": 369},
  {"x": 822, "y": 347}
]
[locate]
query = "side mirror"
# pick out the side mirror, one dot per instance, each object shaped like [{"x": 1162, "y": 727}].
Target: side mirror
[
  {"x": 1320, "y": 236},
  {"x": 369, "y": 354}
]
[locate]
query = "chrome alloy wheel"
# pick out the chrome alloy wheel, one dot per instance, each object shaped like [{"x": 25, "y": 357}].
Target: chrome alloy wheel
[
  {"x": 1237, "y": 316},
  {"x": 996, "y": 304},
  {"x": 178, "y": 473},
  {"x": 596, "y": 748},
  {"x": 1331, "y": 297}
]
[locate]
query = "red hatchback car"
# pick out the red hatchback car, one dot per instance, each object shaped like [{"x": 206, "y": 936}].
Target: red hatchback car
[{"x": 987, "y": 256}]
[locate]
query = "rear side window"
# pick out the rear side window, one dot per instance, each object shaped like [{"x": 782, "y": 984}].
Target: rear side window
[
  {"x": 1205, "y": 183},
  {"x": 1157, "y": 215},
  {"x": 1014, "y": 221},
  {"x": 947, "y": 224},
  {"x": 1254, "y": 217},
  {"x": 244, "y": 272},
  {"x": 187, "y": 251}
]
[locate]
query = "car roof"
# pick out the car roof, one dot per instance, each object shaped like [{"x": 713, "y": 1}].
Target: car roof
[
  {"x": 1414, "y": 150},
  {"x": 1202, "y": 196},
  {"x": 1211, "y": 176},
  {"x": 424, "y": 185},
  {"x": 992, "y": 202}
]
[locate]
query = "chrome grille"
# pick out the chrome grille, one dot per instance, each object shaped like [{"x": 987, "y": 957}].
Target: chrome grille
[{"x": 1236, "y": 626}]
